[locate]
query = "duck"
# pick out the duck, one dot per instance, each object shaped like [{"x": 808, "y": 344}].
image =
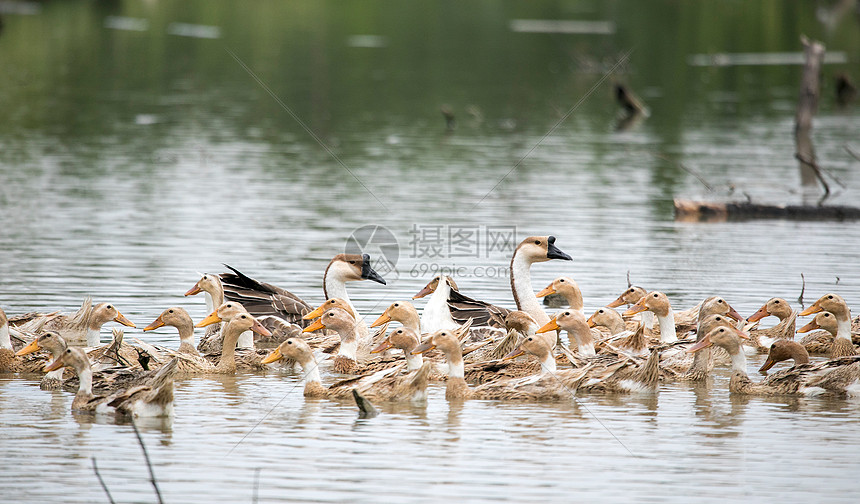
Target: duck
[
  {"x": 842, "y": 345},
  {"x": 820, "y": 341},
  {"x": 568, "y": 289},
  {"x": 574, "y": 322},
  {"x": 83, "y": 327},
  {"x": 403, "y": 312},
  {"x": 213, "y": 292},
  {"x": 714, "y": 311},
  {"x": 152, "y": 399},
  {"x": 658, "y": 303},
  {"x": 8, "y": 361},
  {"x": 783, "y": 349},
  {"x": 778, "y": 307},
  {"x": 838, "y": 377},
  {"x": 436, "y": 315},
  {"x": 389, "y": 384},
  {"x": 685, "y": 320},
  {"x": 352, "y": 348},
  {"x": 213, "y": 343},
  {"x": 632, "y": 341},
  {"x": 237, "y": 323},
  {"x": 179, "y": 318},
  {"x": 405, "y": 339},
  {"x": 55, "y": 345}
]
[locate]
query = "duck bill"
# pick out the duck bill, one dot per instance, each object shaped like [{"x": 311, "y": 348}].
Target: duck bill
[
  {"x": 704, "y": 343},
  {"x": 120, "y": 318},
  {"x": 368, "y": 273},
  {"x": 516, "y": 352},
  {"x": 260, "y": 329},
  {"x": 637, "y": 308},
  {"x": 385, "y": 345},
  {"x": 57, "y": 364},
  {"x": 423, "y": 348},
  {"x": 385, "y": 317},
  {"x": 769, "y": 363},
  {"x": 272, "y": 357},
  {"x": 546, "y": 291},
  {"x": 155, "y": 324},
  {"x": 210, "y": 319},
  {"x": 317, "y": 313},
  {"x": 590, "y": 321},
  {"x": 618, "y": 302},
  {"x": 315, "y": 326},
  {"x": 194, "y": 290},
  {"x": 760, "y": 314},
  {"x": 32, "y": 347},
  {"x": 740, "y": 334},
  {"x": 553, "y": 252},
  {"x": 734, "y": 314},
  {"x": 552, "y": 325},
  {"x": 423, "y": 292},
  {"x": 809, "y": 327},
  {"x": 815, "y": 308}
]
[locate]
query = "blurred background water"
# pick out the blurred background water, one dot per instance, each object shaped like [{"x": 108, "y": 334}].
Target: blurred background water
[{"x": 144, "y": 141}]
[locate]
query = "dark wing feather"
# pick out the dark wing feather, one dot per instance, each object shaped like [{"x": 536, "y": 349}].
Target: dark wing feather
[
  {"x": 464, "y": 308},
  {"x": 263, "y": 299}
]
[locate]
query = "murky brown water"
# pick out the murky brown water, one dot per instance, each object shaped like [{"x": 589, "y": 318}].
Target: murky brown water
[{"x": 132, "y": 159}]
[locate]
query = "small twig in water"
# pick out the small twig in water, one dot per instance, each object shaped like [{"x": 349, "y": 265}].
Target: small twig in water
[
  {"x": 101, "y": 481},
  {"x": 628, "y": 279},
  {"x": 691, "y": 171},
  {"x": 148, "y": 464},
  {"x": 802, "y": 290},
  {"x": 837, "y": 280}
]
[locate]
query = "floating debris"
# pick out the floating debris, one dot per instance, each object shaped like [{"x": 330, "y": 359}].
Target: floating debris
[
  {"x": 194, "y": 30},
  {"x": 126, "y": 23},
  {"x": 563, "y": 26},
  {"x": 775, "y": 58},
  {"x": 370, "y": 41}
]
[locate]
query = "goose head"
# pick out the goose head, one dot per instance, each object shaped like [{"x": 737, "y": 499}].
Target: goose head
[
  {"x": 402, "y": 338},
  {"x": 715, "y": 305},
  {"x": 106, "y": 312},
  {"x": 726, "y": 337},
  {"x": 654, "y": 301},
  {"x": 72, "y": 357},
  {"x": 174, "y": 317},
  {"x": 713, "y": 321},
  {"x": 631, "y": 296},
  {"x": 50, "y": 341},
  {"x": 539, "y": 249},
  {"x": 398, "y": 311},
  {"x": 353, "y": 267},
  {"x": 432, "y": 285},
  {"x": 295, "y": 349},
  {"x": 208, "y": 283},
  {"x": 328, "y": 305},
  {"x": 337, "y": 319},
  {"x": 832, "y": 303},
  {"x": 521, "y": 322},
  {"x": 775, "y": 306},
  {"x": 224, "y": 313},
  {"x": 445, "y": 341},
  {"x": 823, "y": 320},
  {"x": 783, "y": 349}
]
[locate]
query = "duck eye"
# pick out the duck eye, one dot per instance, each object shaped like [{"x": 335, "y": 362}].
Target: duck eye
[
  {"x": 396, "y": 305},
  {"x": 109, "y": 307},
  {"x": 720, "y": 301},
  {"x": 600, "y": 310},
  {"x": 537, "y": 242},
  {"x": 531, "y": 339},
  {"x": 169, "y": 311},
  {"x": 561, "y": 280},
  {"x": 655, "y": 295},
  {"x": 776, "y": 301},
  {"x": 830, "y": 296}
]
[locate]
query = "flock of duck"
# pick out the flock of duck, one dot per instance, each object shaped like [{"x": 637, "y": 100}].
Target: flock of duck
[{"x": 478, "y": 349}]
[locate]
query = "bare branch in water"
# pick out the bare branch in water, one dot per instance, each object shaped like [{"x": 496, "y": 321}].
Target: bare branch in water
[
  {"x": 102, "y": 482},
  {"x": 818, "y": 174},
  {"x": 628, "y": 279},
  {"x": 802, "y": 290},
  {"x": 148, "y": 464}
]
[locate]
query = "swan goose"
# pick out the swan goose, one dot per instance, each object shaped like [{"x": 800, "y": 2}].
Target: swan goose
[
  {"x": 150, "y": 399},
  {"x": 387, "y": 384},
  {"x": 778, "y": 307},
  {"x": 262, "y": 299},
  {"x": 837, "y": 377},
  {"x": 842, "y": 345}
]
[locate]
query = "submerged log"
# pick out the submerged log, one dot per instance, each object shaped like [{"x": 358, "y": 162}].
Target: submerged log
[{"x": 701, "y": 211}]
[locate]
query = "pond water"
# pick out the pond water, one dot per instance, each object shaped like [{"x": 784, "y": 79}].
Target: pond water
[{"x": 143, "y": 142}]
